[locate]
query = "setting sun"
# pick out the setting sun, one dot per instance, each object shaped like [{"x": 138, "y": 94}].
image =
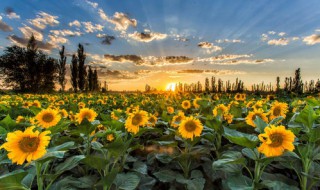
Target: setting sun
[{"x": 171, "y": 87}]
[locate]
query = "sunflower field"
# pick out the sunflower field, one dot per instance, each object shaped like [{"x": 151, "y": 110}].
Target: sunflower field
[{"x": 159, "y": 141}]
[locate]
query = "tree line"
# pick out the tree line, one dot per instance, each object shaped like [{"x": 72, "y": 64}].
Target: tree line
[{"x": 28, "y": 69}]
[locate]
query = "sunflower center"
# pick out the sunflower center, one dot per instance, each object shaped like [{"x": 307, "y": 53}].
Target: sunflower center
[
  {"x": 186, "y": 104},
  {"x": 48, "y": 117},
  {"x": 28, "y": 144},
  {"x": 137, "y": 118},
  {"x": 152, "y": 120},
  {"x": 276, "y": 139},
  {"x": 276, "y": 111},
  {"x": 238, "y": 96},
  {"x": 178, "y": 119},
  {"x": 190, "y": 126}
]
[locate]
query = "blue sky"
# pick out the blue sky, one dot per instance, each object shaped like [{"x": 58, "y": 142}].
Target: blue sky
[{"x": 253, "y": 40}]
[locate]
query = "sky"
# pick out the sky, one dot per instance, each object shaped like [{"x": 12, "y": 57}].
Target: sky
[{"x": 132, "y": 43}]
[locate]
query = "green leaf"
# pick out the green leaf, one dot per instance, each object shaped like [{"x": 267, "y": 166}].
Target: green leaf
[
  {"x": 12, "y": 180},
  {"x": 117, "y": 147},
  {"x": 238, "y": 182},
  {"x": 69, "y": 163},
  {"x": 140, "y": 167},
  {"x": 307, "y": 117},
  {"x": 95, "y": 162},
  {"x": 230, "y": 162},
  {"x": 278, "y": 185},
  {"x": 248, "y": 152},
  {"x": 196, "y": 184},
  {"x": 164, "y": 158},
  {"x": 314, "y": 134},
  {"x": 260, "y": 124},
  {"x": 128, "y": 181},
  {"x": 165, "y": 175},
  {"x": 64, "y": 146},
  {"x": 8, "y": 123},
  {"x": 239, "y": 138},
  {"x": 69, "y": 182},
  {"x": 276, "y": 120},
  {"x": 51, "y": 155}
]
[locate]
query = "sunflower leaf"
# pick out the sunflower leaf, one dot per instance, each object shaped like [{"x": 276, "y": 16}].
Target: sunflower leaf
[
  {"x": 239, "y": 138},
  {"x": 13, "y": 180}
]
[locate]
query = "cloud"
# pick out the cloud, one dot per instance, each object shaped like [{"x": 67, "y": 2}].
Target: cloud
[
  {"x": 57, "y": 40},
  {"x": 279, "y": 42},
  {"x": 216, "y": 72},
  {"x": 28, "y": 31},
  {"x": 65, "y": 32},
  {"x": 75, "y": 23},
  {"x": 43, "y": 19},
  {"x": 224, "y": 57},
  {"x": 229, "y": 41},
  {"x": 107, "y": 40},
  {"x": 295, "y": 38},
  {"x": 120, "y": 20},
  {"x": 147, "y": 37},
  {"x": 4, "y": 26},
  {"x": 281, "y": 34},
  {"x": 24, "y": 41},
  {"x": 93, "y": 4},
  {"x": 11, "y": 14},
  {"x": 209, "y": 47},
  {"x": 124, "y": 58},
  {"x": 90, "y": 28},
  {"x": 312, "y": 39},
  {"x": 272, "y": 32},
  {"x": 245, "y": 61},
  {"x": 264, "y": 37}
]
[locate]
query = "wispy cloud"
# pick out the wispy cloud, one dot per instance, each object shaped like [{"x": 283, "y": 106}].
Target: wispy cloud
[
  {"x": 279, "y": 42},
  {"x": 75, "y": 23},
  {"x": 43, "y": 19},
  {"x": 4, "y": 26},
  {"x": 209, "y": 47},
  {"x": 120, "y": 20},
  {"x": 11, "y": 14},
  {"x": 28, "y": 31},
  {"x": 147, "y": 37},
  {"x": 93, "y": 4},
  {"x": 65, "y": 32},
  {"x": 90, "y": 28},
  {"x": 229, "y": 41},
  {"x": 24, "y": 41},
  {"x": 312, "y": 39}
]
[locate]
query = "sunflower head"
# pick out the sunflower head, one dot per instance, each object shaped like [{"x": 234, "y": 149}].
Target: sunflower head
[
  {"x": 278, "y": 109},
  {"x": 275, "y": 140},
  {"x": 220, "y": 110},
  {"x": 48, "y": 118},
  {"x": 170, "y": 110},
  {"x": 196, "y": 103},
  {"x": 20, "y": 119},
  {"x": 176, "y": 120},
  {"x": 253, "y": 115},
  {"x": 152, "y": 121},
  {"x": 87, "y": 113},
  {"x": 27, "y": 145},
  {"x": 186, "y": 104},
  {"x": 135, "y": 120},
  {"x": 190, "y": 127}
]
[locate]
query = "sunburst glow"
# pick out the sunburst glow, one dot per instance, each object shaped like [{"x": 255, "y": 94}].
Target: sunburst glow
[{"x": 171, "y": 87}]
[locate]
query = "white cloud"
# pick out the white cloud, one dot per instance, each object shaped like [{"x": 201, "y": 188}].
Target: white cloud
[
  {"x": 93, "y": 4},
  {"x": 295, "y": 38},
  {"x": 147, "y": 37},
  {"x": 264, "y": 37},
  {"x": 13, "y": 15},
  {"x": 312, "y": 39},
  {"x": 4, "y": 26},
  {"x": 43, "y": 19},
  {"x": 65, "y": 32},
  {"x": 209, "y": 47},
  {"x": 245, "y": 61},
  {"x": 272, "y": 32},
  {"x": 75, "y": 23},
  {"x": 28, "y": 31},
  {"x": 281, "y": 34},
  {"x": 223, "y": 57},
  {"x": 229, "y": 41},
  {"x": 279, "y": 42},
  {"x": 57, "y": 40},
  {"x": 90, "y": 28},
  {"x": 120, "y": 20}
]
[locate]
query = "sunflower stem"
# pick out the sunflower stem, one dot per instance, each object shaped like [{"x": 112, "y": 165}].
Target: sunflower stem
[{"x": 39, "y": 176}]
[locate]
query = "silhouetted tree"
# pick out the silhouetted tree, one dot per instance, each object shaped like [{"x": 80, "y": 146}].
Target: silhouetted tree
[
  {"x": 90, "y": 79},
  {"x": 278, "y": 85},
  {"x": 82, "y": 76},
  {"x": 74, "y": 72},
  {"x": 206, "y": 85},
  {"x": 213, "y": 84},
  {"x": 62, "y": 69},
  {"x": 297, "y": 82}
]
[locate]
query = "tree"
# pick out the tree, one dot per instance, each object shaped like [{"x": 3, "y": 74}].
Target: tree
[
  {"x": 81, "y": 68},
  {"x": 278, "y": 85},
  {"x": 206, "y": 86},
  {"x": 62, "y": 69},
  {"x": 96, "y": 85},
  {"x": 297, "y": 82},
  {"x": 74, "y": 72},
  {"x": 90, "y": 79}
]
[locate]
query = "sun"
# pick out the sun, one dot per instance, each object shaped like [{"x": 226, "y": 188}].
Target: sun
[{"x": 171, "y": 87}]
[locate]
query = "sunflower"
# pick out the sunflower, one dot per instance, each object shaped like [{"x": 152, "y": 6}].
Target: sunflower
[
  {"x": 27, "y": 145},
  {"x": 228, "y": 117},
  {"x": 152, "y": 121},
  {"x": 278, "y": 109},
  {"x": 110, "y": 137},
  {"x": 135, "y": 120},
  {"x": 48, "y": 118},
  {"x": 87, "y": 113},
  {"x": 186, "y": 104},
  {"x": 252, "y": 116},
  {"x": 258, "y": 105},
  {"x": 81, "y": 105},
  {"x": 196, "y": 103},
  {"x": 275, "y": 140},
  {"x": 36, "y": 103},
  {"x": 190, "y": 127},
  {"x": 170, "y": 110},
  {"x": 220, "y": 110},
  {"x": 271, "y": 97},
  {"x": 176, "y": 120},
  {"x": 20, "y": 119},
  {"x": 63, "y": 113}
]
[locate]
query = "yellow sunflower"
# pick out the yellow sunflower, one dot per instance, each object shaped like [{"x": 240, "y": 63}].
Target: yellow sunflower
[
  {"x": 186, "y": 104},
  {"x": 278, "y": 109},
  {"x": 195, "y": 103},
  {"x": 20, "y": 119},
  {"x": 87, "y": 113},
  {"x": 152, "y": 121},
  {"x": 170, "y": 110},
  {"x": 63, "y": 113},
  {"x": 252, "y": 116},
  {"x": 110, "y": 137},
  {"x": 176, "y": 120},
  {"x": 228, "y": 117},
  {"x": 190, "y": 127},
  {"x": 135, "y": 120},
  {"x": 48, "y": 118},
  {"x": 275, "y": 140},
  {"x": 36, "y": 103},
  {"x": 27, "y": 145},
  {"x": 220, "y": 110}
]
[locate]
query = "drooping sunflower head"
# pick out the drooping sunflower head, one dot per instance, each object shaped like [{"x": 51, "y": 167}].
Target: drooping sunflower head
[
  {"x": 190, "y": 127},
  {"x": 278, "y": 109},
  {"x": 135, "y": 120},
  {"x": 27, "y": 145},
  {"x": 220, "y": 110},
  {"x": 87, "y": 113},
  {"x": 186, "y": 104},
  {"x": 176, "y": 120},
  {"x": 48, "y": 118},
  {"x": 275, "y": 140},
  {"x": 253, "y": 115}
]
